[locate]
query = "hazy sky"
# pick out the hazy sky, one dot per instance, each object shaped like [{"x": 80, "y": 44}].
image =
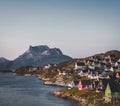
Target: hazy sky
[{"x": 78, "y": 27}]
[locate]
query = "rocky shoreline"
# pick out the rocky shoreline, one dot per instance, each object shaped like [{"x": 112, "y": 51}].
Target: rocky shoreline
[
  {"x": 47, "y": 81},
  {"x": 77, "y": 101}
]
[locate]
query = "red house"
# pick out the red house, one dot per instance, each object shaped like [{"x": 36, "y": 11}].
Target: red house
[{"x": 84, "y": 84}]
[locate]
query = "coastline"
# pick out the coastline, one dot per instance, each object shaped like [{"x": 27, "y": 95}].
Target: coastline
[
  {"x": 47, "y": 81},
  {"x": 76, "y": 101}
]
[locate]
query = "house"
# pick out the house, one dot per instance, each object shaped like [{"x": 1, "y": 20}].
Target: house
[
  {"x": 105, "y": 74},
  {"x": 118, "y": 60},
  {"x": 116, "y": 64},
  {"x": 87, "y": 62},
  {"x": 83, "y": 73},
  {"x": 47, "y": 66},
  {"x": 79, "y": 65},
  {"x": 95, "y": 64},
  {"x": 108, "y": 93},
  {"x": 84, "y": 84},
  {"x": 93, "y": 75},
  {"x": 112, "y": 92},
  {"x": 73, "y": 84},
  {"x": 110, "y": 87},
  {"x": 111, "y": 69},
  {"x": 91, "y": 67},
  {"x": 102, "y": 84},
  {"x": 94, "y": 84}
]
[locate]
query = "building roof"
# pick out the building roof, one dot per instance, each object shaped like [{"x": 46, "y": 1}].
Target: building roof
[
  {"x": 114, "y": 85},
  {"x": 80, "y": 64}
]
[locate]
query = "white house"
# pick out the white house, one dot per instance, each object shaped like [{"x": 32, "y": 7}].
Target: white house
[
  {"x": 79, "y": 65},
  {"x": 93, "y": 75},
  {"x": 73, "y": 84},
  {"x": 47, "y": 66}
]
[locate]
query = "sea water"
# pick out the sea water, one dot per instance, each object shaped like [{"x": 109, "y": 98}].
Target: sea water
[{"x": 28, "y": 91}]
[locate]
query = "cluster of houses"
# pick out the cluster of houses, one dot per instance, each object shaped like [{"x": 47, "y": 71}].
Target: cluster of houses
[
  {"x": 34, "y": 69},
  {"x": 98, "y": 67},
  {"x": 104, "y": 75},
  {"x": 109, "y": 86}
]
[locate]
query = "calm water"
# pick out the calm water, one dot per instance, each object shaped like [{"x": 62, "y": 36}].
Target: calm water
[{"x": 27, "y": 91}]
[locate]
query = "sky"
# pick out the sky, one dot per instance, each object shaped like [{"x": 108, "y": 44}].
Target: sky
[{"x": 80, "y": 28}]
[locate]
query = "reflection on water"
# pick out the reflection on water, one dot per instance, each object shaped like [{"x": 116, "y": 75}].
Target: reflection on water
[{"x": 27, "y": 91}]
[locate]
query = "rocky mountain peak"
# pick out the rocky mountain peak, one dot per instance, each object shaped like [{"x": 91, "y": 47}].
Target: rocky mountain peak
[
  {"x": 42, "y": 51},
  {"x": 38, "y": 49}
]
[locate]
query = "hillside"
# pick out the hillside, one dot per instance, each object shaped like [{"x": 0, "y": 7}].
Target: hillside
[{"x": 71, "y": 63}]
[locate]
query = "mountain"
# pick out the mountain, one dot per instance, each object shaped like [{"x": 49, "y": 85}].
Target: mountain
[
  {"x": 37, "y": 56},
  {"x": 3, "y": 63},
  {"x": 2, "y": 60}
]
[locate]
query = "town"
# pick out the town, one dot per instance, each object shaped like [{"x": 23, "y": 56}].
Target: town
[{"x": 99, "y": 73}]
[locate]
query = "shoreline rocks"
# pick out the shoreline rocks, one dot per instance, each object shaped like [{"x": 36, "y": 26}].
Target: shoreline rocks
[
  {"x": 54, "y": 83},
  {"x": 77, "y": 101}
]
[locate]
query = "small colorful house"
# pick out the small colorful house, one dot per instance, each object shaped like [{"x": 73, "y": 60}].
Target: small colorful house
[
  {"x": 111, "y": 88},
  {"x": 84, "y": 84},
  {"x": 108, "y": 93}
]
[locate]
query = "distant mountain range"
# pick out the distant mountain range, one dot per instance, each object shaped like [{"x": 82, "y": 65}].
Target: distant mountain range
[
  {"x": 35, "y": 56},
  {"x": 43, "y": 55}
]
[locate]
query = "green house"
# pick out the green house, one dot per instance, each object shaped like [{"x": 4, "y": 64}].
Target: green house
[{"x": 108, "y": 93}]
